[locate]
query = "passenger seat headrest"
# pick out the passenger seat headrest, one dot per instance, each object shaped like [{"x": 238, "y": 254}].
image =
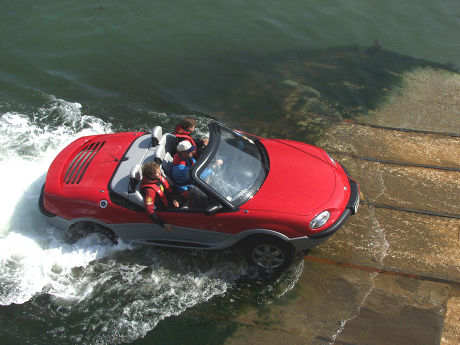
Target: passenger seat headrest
[
  {"x": 157, "y": 133},
  {"x": 136, "y": 172},
  {"x": 159, "y": 154},
  {"x": 135, "y": 177}
]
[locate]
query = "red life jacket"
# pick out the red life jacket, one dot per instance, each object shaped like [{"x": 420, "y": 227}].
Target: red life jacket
[
  {"x": 178, "y": 160},
  {"x": 159, "y": 186},
  {"x": 181, "y": 135}
]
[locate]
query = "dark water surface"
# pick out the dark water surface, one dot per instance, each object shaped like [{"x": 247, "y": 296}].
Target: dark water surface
[{"x": 288, "y": 69}]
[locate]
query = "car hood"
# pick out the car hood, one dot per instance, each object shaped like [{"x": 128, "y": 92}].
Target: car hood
[{"x": 300, "y": 179}]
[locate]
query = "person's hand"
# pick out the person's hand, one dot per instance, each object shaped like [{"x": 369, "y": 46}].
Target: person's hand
[
  {"x": 219, "y": 162},
  {"x": 175, "y": 203},
  {"x": 205, "y": 141},
  {"x": 169, "y": 227}
]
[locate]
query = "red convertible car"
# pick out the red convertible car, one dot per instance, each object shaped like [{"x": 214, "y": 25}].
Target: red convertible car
[{"x": 273, "y": 196}]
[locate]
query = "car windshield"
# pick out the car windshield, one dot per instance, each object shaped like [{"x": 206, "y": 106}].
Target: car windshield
[{"x": 236, "y": 168}]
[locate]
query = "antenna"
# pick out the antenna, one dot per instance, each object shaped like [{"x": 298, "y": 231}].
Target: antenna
[{"x": 115, "y": 158}]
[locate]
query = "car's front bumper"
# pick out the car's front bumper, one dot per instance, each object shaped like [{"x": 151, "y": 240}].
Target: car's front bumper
[{"x": 308, "y": 242}]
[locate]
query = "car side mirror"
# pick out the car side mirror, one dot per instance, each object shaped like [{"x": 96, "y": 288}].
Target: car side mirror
[{"x": 213, "y": 209}]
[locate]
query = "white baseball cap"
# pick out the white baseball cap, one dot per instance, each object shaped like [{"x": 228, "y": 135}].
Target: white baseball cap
[{"x": 185, "y": 146}]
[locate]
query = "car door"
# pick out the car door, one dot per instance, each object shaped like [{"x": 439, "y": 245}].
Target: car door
[{"x": 202, "y": 229}]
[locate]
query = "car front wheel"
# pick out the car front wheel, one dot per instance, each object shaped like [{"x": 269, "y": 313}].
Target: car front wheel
[{"x": 269, "y": 255}]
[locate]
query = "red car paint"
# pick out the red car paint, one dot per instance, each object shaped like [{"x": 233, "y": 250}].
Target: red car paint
[{"x": 302, "y": 181}]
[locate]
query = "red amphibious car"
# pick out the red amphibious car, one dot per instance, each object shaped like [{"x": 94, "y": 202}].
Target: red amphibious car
[{"x": 273, "y": 196}]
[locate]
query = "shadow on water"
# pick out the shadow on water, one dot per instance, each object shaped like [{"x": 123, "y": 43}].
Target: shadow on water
[
  {"x": 267, "y": 94},
  {"x": 341, "y": 83},
  {"x": 264, "y": 94}
]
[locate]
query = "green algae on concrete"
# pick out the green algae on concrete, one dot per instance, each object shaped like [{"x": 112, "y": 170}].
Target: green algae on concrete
[
  {"x": 392, "y": 145},
  {"x": 451, "y": 330},
  {"x": 427, "y": 99},
  {"x": 340, "y": 83}
]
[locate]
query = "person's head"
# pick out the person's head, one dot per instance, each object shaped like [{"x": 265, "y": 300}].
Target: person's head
[
  {"x": 151, "y": 170},
  {"x": 188, "y": 123},
  {"x": 185, "y": 149}
]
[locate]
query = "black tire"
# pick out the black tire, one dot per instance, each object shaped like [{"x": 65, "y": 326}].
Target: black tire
[
  {"x": 82, "y": 229},
  {"x": 269, "y": 255}
]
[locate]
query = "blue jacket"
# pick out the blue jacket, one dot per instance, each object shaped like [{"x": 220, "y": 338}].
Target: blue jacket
[{"x": 181, "y": 172}]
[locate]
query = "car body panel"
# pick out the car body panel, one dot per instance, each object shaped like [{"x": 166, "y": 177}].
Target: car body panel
[
  {"x": 297, "y": 183},
  {"x": 87, "y": 180}
]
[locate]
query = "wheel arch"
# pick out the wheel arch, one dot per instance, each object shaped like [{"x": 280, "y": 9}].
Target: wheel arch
[
  {"x": 95, "y": 226},
  {"x": 253, "y": 233},
  {"x": 268, "y": 252}
]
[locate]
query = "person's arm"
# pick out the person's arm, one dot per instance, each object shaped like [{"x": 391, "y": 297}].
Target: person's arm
[
  {"x": 155, "y": 218},
  {"x": 200, "y": 143}
]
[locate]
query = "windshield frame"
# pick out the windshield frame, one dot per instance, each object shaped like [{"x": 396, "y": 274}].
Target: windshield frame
[{"x": 215, "y": 129}]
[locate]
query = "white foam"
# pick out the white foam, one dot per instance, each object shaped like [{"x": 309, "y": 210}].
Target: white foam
[
  {"x": 118, "y": 297},
  {"x": 29, "y": 144},
  {"x": 26, "y": 268},
  {"x": 30, "y": 257}
]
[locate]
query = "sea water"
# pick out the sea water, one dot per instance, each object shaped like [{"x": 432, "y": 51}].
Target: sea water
[{"x": 75, "y": 68}]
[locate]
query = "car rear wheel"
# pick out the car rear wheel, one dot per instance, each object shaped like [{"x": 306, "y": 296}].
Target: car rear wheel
[
  {"x": 82, "y": 229},
  {"x": 268, "y": 255}
]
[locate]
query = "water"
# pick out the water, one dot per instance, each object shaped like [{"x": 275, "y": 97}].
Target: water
[{"x": 75, "y": 68}]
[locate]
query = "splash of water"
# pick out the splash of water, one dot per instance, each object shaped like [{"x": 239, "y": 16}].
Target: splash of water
[
  {"x": 381, "y": 247},
  {"x": 109, "y": 300},
  {"x": 31, "y": 258},
  {"x": 29, "y": 144}
]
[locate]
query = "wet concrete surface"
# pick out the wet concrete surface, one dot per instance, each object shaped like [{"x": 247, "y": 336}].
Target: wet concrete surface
[
  {"x": 389, "y": 276},
  {"x": 411, "y": 187},
  {"x": 399, "y": 311},
  {"x": 394, "y": 145},
  {"x": 401, "y": 241},
  {"x": 428, "y": 100},
  {"x": 451, "y": 332},
  {"x": 355, "y": 308}
]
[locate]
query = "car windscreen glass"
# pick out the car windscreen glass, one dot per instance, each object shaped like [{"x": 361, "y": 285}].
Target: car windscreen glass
[{"x": 237, "y": 167}]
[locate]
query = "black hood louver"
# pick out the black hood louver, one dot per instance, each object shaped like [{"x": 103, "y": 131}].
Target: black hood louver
[{"x": 81, "y": 162}]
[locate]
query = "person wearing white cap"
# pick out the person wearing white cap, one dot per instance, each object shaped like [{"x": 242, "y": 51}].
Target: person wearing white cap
[{"x": 183, "y": 162}]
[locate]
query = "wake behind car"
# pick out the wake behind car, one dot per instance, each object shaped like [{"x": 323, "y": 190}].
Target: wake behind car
[{"x": 273, "y": 196}]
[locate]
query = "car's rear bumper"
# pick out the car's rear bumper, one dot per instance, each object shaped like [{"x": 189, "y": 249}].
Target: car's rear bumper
[{"x": 41, "y": 205}]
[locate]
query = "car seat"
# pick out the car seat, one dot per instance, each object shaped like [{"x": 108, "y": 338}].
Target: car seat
[{"x": 157, "y": 133}]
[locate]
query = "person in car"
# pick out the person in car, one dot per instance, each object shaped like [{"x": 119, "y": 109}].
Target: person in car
[
  {"x": 183, "y": 163},
  {"x": 157, "y": 192},
  {"x": 184, "y": 130}
]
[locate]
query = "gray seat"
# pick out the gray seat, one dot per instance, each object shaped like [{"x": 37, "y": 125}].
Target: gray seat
[
  {"x": 157, "y": 133},
  {"x": 135, "y": 178},
  {"x": 162, "y": 153},
  {"x": 159, "y": 154},
  {"x": 165, "y": 160},
  {"x": 170, "y": 143}
]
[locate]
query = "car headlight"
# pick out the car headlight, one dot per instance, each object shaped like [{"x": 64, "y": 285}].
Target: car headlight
[{"x": 320, "y": 220}]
